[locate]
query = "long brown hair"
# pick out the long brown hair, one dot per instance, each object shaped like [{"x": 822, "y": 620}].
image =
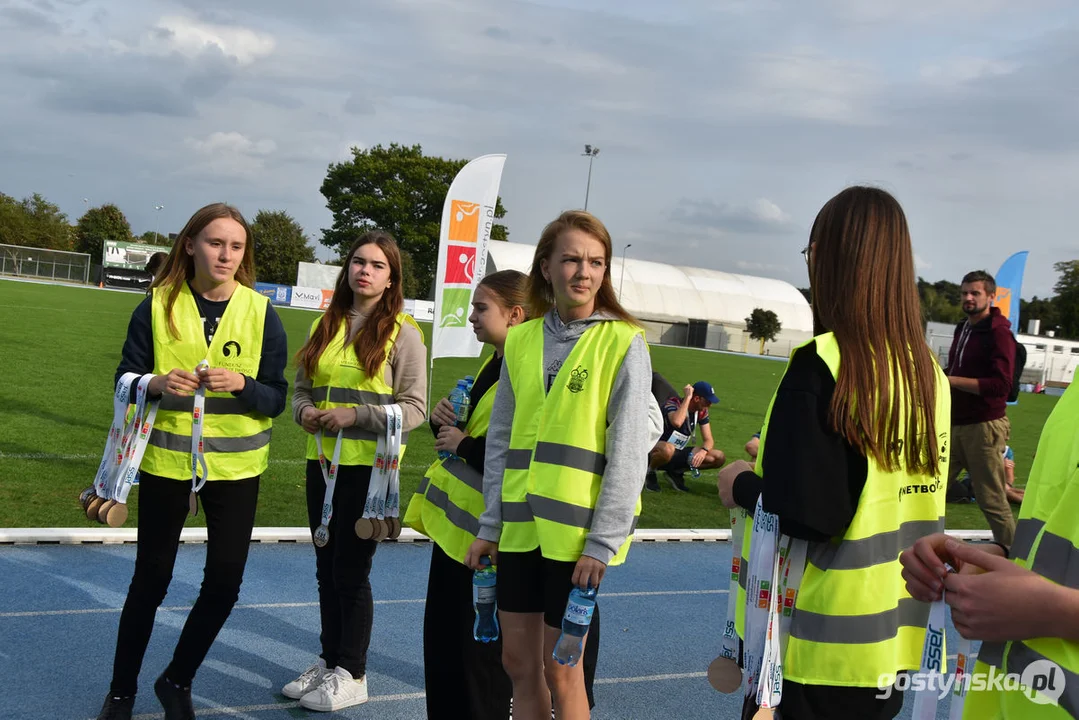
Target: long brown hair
[
  {"x": 510, "y": 288},
  {"x": 865, "y": 291},
  {"x": 540, "y": 292},
  {"x": 179, "y": 267},
  {"x": 370, "y": 342}
]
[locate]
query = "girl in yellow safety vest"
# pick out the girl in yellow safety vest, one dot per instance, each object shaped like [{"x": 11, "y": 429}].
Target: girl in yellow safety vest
[
  {"x": 567, "y": 449},
  {"x": 851, "y": 459},
  {"x": 201, "y": 306},
  {"x": 446, "y": 508},
  {"x": 362, "y": 355}
]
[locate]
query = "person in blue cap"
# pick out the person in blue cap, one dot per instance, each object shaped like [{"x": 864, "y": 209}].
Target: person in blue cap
[{"x": 675, "y": 453}]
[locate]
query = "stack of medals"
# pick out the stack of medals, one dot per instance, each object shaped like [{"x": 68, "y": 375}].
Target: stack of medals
[{"x": 381, "y": 510}]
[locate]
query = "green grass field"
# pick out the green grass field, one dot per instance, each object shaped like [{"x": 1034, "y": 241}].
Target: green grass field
[{"x": 59, "y": 348}]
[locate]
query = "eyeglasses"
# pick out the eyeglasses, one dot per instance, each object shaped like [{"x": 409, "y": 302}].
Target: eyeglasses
[{"x": 805, "y": 252}]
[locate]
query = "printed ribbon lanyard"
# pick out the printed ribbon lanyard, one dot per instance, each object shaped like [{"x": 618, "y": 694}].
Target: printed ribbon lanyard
[
  {"x": 322, "y": 534},
  {"x": 787, "y": 573},
  {"x": 932, "y": 668},
  {"x": 113, "y": 455},
  {"x": 381, "y": 509},
  {"x": 964, "y": 664},
  {"x": 724, "y": 673},
  {"x": 759, "y": 589},
  {"x": 198, "y": 459},
  {"x": 135, "y": 440}
]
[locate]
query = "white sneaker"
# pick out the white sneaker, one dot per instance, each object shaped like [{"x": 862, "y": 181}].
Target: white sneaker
[
  {"x": 337, "y": 691},
  {"x": 309, "y": 679}
]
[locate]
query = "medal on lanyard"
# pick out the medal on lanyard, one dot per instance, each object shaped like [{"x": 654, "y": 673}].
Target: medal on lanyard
[
  {"x": 932, "y": 667},
  {"x": 329, "y": 476},
  {"x": 759, "y": 589},
  {"x": 198, "y": 458},
  {"x": 724, "y": 673},
  {"x": 379, "y": 520}
]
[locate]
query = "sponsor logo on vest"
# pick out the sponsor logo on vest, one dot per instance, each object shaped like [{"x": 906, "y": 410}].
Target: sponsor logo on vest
[
  {"x": 577, "y": 376},
  {"x": 919, "y": 488},
  {"x": 230, "y": 347},
  {"x": 1041, "y": 682}
]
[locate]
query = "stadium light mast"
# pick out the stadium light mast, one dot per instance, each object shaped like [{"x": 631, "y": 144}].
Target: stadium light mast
[
  {"x": 591, "y": 152},
  {"x": 157, "y": 222},
  {"x": 622, "y": 278}
]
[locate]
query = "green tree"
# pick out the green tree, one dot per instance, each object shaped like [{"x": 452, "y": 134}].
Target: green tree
[
  {"x": 280, "y": 245},
  {"x": 397, "y": 189},
  {"x": 763, "y": 325},
  {"x": 34, "y": 222},
  {"x": 1067, "y": 298},
  {"x": 155, "y": 238},
  {"x": 1043, "y": 309},
  {"x": 940, "y": 301},
  {"x": 14, "y": 225},
  {"x": 97, "y": 225}
]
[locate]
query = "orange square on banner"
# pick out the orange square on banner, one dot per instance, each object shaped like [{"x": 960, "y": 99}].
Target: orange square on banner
[
  {"x": 464, "y": 221},
  {"x": 327, "y": 296},
  {"x": 460, "y": 264}
]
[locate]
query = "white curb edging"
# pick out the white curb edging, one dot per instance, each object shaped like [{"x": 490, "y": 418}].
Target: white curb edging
[{"x": 110, "y": 536}]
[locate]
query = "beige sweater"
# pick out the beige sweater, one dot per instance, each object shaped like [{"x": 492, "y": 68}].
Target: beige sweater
[{"x": 406, "y": 373}]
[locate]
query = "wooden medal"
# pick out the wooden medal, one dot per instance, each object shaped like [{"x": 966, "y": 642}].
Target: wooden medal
[
  {"x": 91, "y": 509},
  {"x": 725, "y": 675},
  {"x": 86, "y": 496},
  {"x": 321, "y": 536},
  {"x": 365, "y": 530},
  {"x": 193, "y": 505},
  {"x": 117, "y": 515},
  {"x": 103, "y": 510},
  {"x": 395, "y": 527},
  {"x": 764, "y": 714},
  {"x": 382, "y": 530}
]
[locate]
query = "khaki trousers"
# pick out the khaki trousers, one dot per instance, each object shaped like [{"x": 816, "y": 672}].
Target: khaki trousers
[{"x": 979, "y": 449}]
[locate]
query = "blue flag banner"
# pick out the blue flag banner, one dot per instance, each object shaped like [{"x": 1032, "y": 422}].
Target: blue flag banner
[{"x": 1010, "y": 286}]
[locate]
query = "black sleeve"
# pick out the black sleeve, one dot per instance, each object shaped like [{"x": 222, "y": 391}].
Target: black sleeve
[
  {"x": 138, "y": 353},
  {"x": 265, "y": 394},
  {"x": 472, "y": 449},
  {"x": 813, "y": 477}
]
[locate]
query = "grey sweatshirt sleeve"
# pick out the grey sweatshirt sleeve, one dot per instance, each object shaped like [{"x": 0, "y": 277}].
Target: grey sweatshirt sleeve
[
  {"x": 301, "y": 394},
  {"x": 630, "y": 430},
  {"x": 408, "y": 366},
  {"x": 494, "y": 461}
]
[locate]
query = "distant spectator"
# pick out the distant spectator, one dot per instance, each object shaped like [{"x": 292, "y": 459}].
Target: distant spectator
[
  {"x": 673, "y": 454},
  {"x": 153, "y": 265}
]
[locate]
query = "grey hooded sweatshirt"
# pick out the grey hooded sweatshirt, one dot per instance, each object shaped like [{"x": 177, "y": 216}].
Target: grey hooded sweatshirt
[{"x": 634, "y": 424}]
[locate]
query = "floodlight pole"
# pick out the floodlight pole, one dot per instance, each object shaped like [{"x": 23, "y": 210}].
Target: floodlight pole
[
  {"x": 591, "y": 152},
  {"x": 622, "y": 278}
]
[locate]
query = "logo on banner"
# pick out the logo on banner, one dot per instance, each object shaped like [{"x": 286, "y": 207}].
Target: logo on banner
[
  {"x": 1004, "y": 301},
  {"x": 460, "y": 264},
  {"x": 464, "y": 221},
  {"x": 327, "y": 296},
  {"x": 455, "y": 307}
]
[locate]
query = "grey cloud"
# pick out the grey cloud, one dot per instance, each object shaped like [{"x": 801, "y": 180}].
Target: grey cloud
[
  {"x": 497, "y": 33},
  {"x": 762, "y": 217},
  {"x": 28, "y": 19},
  {"x": 358, "y": 104}
]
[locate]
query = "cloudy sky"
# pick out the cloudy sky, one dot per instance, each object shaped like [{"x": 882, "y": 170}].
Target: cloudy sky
[{"x": 723, "y": 125}]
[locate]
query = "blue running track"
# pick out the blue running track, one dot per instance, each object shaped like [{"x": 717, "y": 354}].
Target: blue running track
[{"x": 60, "y": 604}]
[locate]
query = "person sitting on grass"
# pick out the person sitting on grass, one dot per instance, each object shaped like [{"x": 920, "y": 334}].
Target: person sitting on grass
[{"x": 673, "y": 454}]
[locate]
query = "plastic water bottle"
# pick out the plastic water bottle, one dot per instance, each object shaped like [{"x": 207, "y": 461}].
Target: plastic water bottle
[
  {"x": 696, "y": 472},
  {"x": 460, "y": 401},
  {"x": 575, "y": 622},
  {"x": 468, "y": 383},
  {"x": 484, "y": 599}
]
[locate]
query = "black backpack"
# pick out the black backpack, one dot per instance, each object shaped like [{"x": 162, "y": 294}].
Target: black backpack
[{"x": 1020, "y": 364}]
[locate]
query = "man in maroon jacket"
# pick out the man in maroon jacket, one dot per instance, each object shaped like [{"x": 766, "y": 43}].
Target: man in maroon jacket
[{"x": 980, "y": 365}]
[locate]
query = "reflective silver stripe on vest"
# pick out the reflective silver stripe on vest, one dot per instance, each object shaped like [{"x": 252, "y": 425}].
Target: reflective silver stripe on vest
[
  {"x": 1020, "y": 656},
  {"x": 743, "y": 573},
  {"x": 1058, "y": 560},
  {"x": 571, "y": 457},
  {"x": 518, "y": 459},
  {"x": 456, "y": 515},
  {"x": 516, "y": 512},
  {"x": 464, "y": 472},
  {"x": 560, "y": 512},
  {"x": 1026, "y": 531},
  {"x": 355, "y": 432},
  {"x": 349, "y": 396},
  {"x": 858, "y": 629},
  {"x": 214, "y": 405},
  {"x": 874, "y": 550},
  {"x": 182, "y": 443}
]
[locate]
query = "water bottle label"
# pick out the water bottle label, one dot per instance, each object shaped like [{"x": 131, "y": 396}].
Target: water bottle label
[
  {"x": 578, "y": 613},
  {"x": 486, "y": 595}
]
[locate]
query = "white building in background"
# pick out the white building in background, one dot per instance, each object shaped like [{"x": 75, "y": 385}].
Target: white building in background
[
  {"x": 689, "y": 306},
  {"x": 1049, "y": 360}
]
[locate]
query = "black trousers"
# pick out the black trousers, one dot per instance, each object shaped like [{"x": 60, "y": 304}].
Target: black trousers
[
  {"x": 163, "y": 507},
  {"x": 343, "y": 568},
  {"x": 464, "y": 678}
]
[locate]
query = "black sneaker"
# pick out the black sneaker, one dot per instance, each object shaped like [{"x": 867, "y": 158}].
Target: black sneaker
[
  {"x": 117, "y": 708},
  {"x": 175, "y": 700},
  {"x": 678, "y": 481},
  {"x": 651, "y": 483}
]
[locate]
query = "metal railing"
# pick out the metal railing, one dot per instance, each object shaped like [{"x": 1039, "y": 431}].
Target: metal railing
[{"x": 44, "y": 264}]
